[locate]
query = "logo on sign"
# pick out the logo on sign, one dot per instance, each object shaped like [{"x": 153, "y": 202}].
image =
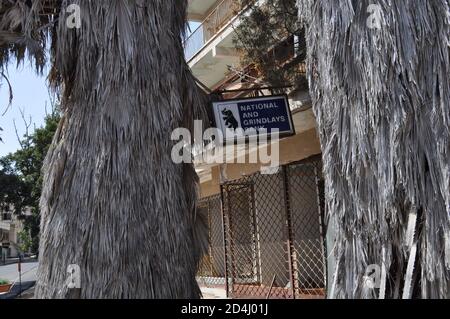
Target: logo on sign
[{"x": 230, "y": 120}]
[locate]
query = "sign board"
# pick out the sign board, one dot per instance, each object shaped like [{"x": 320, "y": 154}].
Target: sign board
[
  {"x": 6, "y": 245},
  {"x": 241, "y": 119}
]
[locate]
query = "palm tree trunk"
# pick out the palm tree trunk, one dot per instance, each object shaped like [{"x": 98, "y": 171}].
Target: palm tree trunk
[
  {"x": 113, "y": 202},
  {"x": 382, "y": 102}
]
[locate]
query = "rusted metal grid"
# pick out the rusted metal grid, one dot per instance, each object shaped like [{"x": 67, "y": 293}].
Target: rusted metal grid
[{"x": 274, "y": 234}]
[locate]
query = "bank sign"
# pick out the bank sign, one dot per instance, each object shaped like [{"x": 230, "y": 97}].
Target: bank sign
[{"x": 241, "y": 119}]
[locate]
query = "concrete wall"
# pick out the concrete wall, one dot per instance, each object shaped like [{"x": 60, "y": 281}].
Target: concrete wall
[{"x": 292, "y": 149}]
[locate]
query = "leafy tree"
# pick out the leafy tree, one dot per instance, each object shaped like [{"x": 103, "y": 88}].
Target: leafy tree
[
  {"x": 13, "y": 192},
  {"x": 271, "y": 43},
  {"x": 26, "y": 243},
  {"x": 23, "y": 170}
]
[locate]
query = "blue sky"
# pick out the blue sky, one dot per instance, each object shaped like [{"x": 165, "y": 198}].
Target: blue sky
[{"x": 30, "y": 95}]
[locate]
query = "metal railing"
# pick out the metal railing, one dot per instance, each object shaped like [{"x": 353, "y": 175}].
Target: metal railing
[{"x": 215, "y": 21}]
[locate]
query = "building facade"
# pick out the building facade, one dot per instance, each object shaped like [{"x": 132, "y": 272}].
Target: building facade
[
  {"x": 10, "y": 227},
  {"x": 267, "y": 228}
]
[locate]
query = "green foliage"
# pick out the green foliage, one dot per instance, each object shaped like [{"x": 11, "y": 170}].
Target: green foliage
[
  {"x": 272, "y": 43},
  {"x": 21, "y": 179},
  {"x": 13, "y": 192},
  {"x": 4, "y": 282},
  {"x": 26, "y": 241}
]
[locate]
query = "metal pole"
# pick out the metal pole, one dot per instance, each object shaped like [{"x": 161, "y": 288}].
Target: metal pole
[
  {"x": 271, "y": 286},
  {"x": 210, "y": 250},
  {"x": 19, "y": 266},
  {"x": 289, "y": 229},
  {"x": 227, "y": 288},
  {"x": 323, "y": 232}
]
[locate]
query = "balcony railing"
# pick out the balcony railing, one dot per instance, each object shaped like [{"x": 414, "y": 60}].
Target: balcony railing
[{"x": 216, "y": 20}]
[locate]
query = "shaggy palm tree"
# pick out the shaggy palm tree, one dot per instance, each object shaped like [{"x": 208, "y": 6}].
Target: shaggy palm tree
[
  {"x": 113, "y": 202},
  {"x": 381, "y": 94}
]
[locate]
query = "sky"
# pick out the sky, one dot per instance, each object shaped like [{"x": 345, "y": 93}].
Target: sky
[{"x": 31, "y": 95}]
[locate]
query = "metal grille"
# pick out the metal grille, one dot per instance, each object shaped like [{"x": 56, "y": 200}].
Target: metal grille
[
  {"x": 212, "y": 267},
  {"x": 273, "y": 233},
  {"x": 266, "y": 253},
  {"x": 274, "y": 237},
  {"x": 306, "y": 207}
]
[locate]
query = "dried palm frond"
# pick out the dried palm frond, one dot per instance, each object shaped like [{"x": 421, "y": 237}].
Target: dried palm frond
[
  {"x": 23, "y": 28},
  {"x": 113, "y": 201},
  {"x": 382, "y": 102}
]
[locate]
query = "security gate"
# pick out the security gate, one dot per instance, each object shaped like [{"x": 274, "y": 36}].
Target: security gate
[
  {"x": 242, "y": 233},
  {"x": 274, "y": 233},
  {"x": 212, "y": 271}
]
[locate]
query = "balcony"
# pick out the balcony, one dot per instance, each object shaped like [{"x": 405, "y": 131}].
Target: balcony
[
  {"x": 5, "y": 226},
  {"x": 211, "y": 25}
]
